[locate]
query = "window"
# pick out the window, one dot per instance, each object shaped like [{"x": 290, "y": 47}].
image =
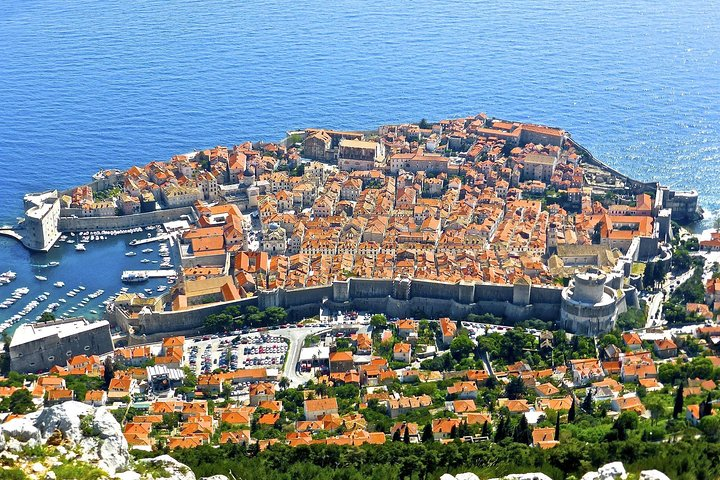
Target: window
[
  {"x": 87, "y": 347},
  {"x": 69, "y": 353},
  {"x": 51, "y": 358}
]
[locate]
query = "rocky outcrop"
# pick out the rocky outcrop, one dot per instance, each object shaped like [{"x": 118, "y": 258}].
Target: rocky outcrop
[
  {"x": 610, "y": 471},
  {"x": 166, "y": 467},
  {"x": 93, "y": 434}
]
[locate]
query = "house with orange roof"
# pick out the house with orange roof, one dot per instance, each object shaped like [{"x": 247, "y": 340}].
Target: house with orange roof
[
  {"x": 269, "y": 419},
  {"x": 407, "y": 329},
  {"x": 58, "y": 395},
  {"x": 402, "y": 352},
  {"x": 516, "y": 406},
  {"x": 442, "y": 428},
  {"x": 318, "y": 408},
  {"x": 413, "y": 431},
  {"x": 546, "y": 390},
  {"x": 240, "y": 437},
  {"x": 692, "y": 415},
  {"x": 120, "y": 387},
  {"x": 96, "y": 398},
  {"x": 341, "y": 378},
  {"x": 341, "y": 362},
  {"x": 403, "y": 405},
  {"x": 544, "y": 437},
  {"x": 184, "y": 442},
  {"x": 556, "y": 404},
  {"x": 235, "y": 417},
  {"x": 586, "y": 370},
  {"x": 463, "y": 390},
  {"x": 629, "y": 402},
  {"x": 261, "y": 392},
  {"x": 665, "y": 348},
  {"x": 463, "y": 406},
  {"x": 448, "y": 329}
]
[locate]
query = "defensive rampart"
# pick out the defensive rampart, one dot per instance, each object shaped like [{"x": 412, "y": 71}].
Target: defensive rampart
[
  {"x": 89, "y": 224},
  {"x": 424, "y": 298}
]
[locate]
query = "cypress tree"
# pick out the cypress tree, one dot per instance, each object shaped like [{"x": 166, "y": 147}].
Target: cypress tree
[
  {"x": 454, "y": 432},
  {"x": 706, "y": 407},
  {"x": 557, "y": 428},
  {"x": 406, "y": 437},
  {"x": 522, "y": 433},
  {"x": 571, "y": 412},
  {"x": 500, "y": 431},
  {"x": 396, "y": 435},
  {"x": 587, "y": 404},
  {"x": 485, "y": 429},
  {"x": 427, "y": 434},
  {"x": 678, "y": 407}
]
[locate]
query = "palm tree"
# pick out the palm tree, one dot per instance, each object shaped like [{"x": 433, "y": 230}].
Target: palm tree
[{"x": 283, "y": 383}]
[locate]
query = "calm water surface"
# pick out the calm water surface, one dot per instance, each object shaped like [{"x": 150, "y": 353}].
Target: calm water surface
[{"x": 87, "y": 84}]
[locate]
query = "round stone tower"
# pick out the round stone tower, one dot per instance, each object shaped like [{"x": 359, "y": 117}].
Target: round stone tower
[{"x": 589, "y": 286}]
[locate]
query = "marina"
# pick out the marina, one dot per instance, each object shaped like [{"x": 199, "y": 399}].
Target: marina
[{"x": 83, "y": 285}]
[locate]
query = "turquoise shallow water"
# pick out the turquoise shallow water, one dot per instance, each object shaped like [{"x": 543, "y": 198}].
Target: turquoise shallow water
[{"x": 87, "y": 84}]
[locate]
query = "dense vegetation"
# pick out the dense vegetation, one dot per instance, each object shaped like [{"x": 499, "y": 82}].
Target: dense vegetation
[
  {"x": 395, "y": 460},
  {"x": 236, "y": 318}
]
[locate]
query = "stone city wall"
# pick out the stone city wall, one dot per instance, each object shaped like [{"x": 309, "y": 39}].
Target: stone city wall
[
  {"x": 87, "y": 224},
  {"x": 431, "y": 299}
]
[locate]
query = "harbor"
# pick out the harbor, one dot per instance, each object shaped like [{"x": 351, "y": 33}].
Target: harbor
[{"x": 68, "y": 281}]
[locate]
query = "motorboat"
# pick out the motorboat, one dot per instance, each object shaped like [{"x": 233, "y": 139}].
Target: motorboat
[
  {"x": 80, "y": 247},
  {"x": 130, "y": 254},
  {"x": 59, "y": 284},
  {"x": 41, "y": 278},
  {"x": 53, "y": 264}
]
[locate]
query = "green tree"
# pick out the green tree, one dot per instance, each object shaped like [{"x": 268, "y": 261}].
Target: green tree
[
  {"x": 649, "y": 274},
  {"x": 406, "y": 435},
  {"x": 109, "y": 371},
  {"x": 461, "y": 347},
  {"x": 515, "y": 389},
  {"x": 587, "y": 404},
  {"x": 557, "y": 427},
  {"x": 678, "y": 406},
  {"x": 523, "y": 433},
  {"x": 427, "y": 434},
  {"x": 47, "y": 317},
  {"x": 710, "y": 426},
  {"x": 378, "y": 321},
  {"x": 571, "y": 412},
  {"x": 21, "y": 402}
]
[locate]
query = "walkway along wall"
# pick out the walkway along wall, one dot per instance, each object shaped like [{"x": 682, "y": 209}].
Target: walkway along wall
[
  {"x": 88, "y": 224},
  {"x": 431, "y": 299}
]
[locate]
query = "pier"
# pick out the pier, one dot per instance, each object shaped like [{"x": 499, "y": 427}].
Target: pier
[
  {"x": 143, "y": 241},
  {"x": 10, "y": 232},
  {"x": 168, "y": 273}
]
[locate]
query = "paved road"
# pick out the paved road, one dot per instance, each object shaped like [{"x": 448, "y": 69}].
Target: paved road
[{"x": 297, "y": 337}]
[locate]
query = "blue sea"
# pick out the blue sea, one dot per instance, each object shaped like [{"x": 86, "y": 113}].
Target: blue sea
[{"x": 86, "y": 85}]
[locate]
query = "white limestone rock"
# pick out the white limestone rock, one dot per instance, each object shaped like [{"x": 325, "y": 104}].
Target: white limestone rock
[
  {"x": 467, "y": 476},
  {"x": 175, "y": 469},
  {"x": 215, "y": 477},
  {"x": 100, "y": 439},
  {"x": 447, "y": 476},
  {"x": 591, "y": 476},
  {"x": 129, "y": 475},
  {"x": 612, "y": 471},
  {"x": 653, "y": 475},
  {"x": 21, "y": 430},
  {"x": 65, "y": 417},
  {"x": 527, "y": 476}
]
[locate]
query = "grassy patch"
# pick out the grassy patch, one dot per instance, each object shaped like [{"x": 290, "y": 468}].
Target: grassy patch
[
  {"x": 638, "y": 268},
  {"x": 78, "y": 471}
]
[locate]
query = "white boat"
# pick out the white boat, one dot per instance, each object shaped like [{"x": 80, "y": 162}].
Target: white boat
[
  {"x": 80, "y": 247},
  {"x": 59, "y": 284},
  {"x": 147, "y": 250},
  {"x": 62, "y": 300},
  {"x": 81, "y": 287},
  {"x": 9, "y": 275},
  {"x": 161, "y": 288},
  {"x": 130, "y": 254},
  {"x": 41, "y": 278},
  {"x": 145, "y": 260},
  {"x": 94, "y": 312}
]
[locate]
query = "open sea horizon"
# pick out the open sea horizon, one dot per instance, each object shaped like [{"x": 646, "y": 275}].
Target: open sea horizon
[{"x": 88, "y": 85}]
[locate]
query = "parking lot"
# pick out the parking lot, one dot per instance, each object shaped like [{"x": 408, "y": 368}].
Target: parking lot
[{"x": 236, "y": 352}]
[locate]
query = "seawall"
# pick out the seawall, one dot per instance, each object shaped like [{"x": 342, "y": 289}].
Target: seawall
[{"x": 89, "y": 224}]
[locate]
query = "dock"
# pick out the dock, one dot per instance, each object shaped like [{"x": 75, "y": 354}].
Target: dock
[
  {"x": 143, "y": 241},
  {"x": 167, "y": 273},
  {"x": 10, "y": 232}
]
